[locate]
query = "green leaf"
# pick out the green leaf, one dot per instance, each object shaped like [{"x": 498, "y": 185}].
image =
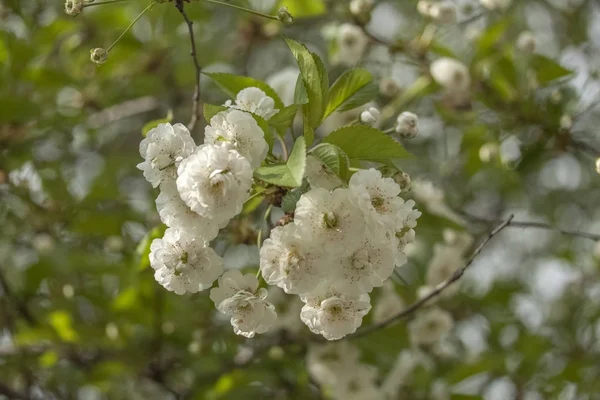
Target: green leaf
[
  {"x": 300, "y": 95},
  {"x": 289, "y": 174},
  {"x": 233, "y": 84},
  {"x": 153, "y": 124},
  {"x": 346, "y": 86},
  {"x": 361, "y": 142},
  {"x": 491, "y": 37},
  {"x": 289, "y": 201},
  {"x": 62, "y": 323},
  {"x": 315, "y": 79},
  {"x": 284, "y": 119},
  {"x": 305, "y": 8},
  {"x": 333, "y": 158},
  {"x": 210, "y": 110},
  {"x": 547, "y": 70},
  {"x": 367, "y": 93},
  {"x": 307, "y": 131}
]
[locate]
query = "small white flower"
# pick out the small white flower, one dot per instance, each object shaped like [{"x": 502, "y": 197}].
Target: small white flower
[
  {"x": 352, "y": 43},
  {"x": 290, "y": 262},
  {"x": 214, "y": 182},
  {"x": 333, "y": 315},
  {"x": 163, "y": 149},
  {"x": 388, "y": 87},
  {"x": 73, "y": 7},
  {"x": 496, "y": 4},
  {"x": 445, "y": 261},
  {"x": 240, "y": 130},
  {"x": 176, "y": 214},
  {"x": 388, "y": 304},
  {"x": 331, "y": 362},
  {"x": 367, "y": 267},
  {"x": 183, "y": 263},
  {"x": 256, "y": 101},
  {"x": 360, "y": 383},
  {"x": 376, "y": 196},
  {"x": 566, "y": 122},
  {"x": 429, "y": 326},
  {"x": 369, "y": 116},
  {"x": 451, "y": 74},
  {"x": 319, "y": 175},
  {"x": 407, "y": 125},
  {"x": 598, "y": 165},
  {"x": 361, "y": 7},
  {"x": 526, "y": 42},
  {"x": 424, "y": 7},
  {"x": 443, "y": 12},
  {"x": 330, "y": 220},
  {"x": 239, "y": 297},
  {"x": 403, "y": 233}
]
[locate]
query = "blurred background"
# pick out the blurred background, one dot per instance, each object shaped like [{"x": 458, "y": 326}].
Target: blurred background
[{"x": 81, "y": 316}]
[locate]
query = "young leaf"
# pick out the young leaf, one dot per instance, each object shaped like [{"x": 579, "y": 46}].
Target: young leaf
[
  {"x": 361, "y": 142},
  {"x": 333, "y": 158},
  {"x": 289, "y": 201},
  {"x": 289, "y": 174},
  {"x": 307, "y": 131},
  {"x": 153, "y": 124},
  {"x": 210, "y": 110},
  {"x": 348, "y": 84},
  {"x": 547, "y": 70},
  {"x": 300, "y": 95},
  {"x": 232, "y": 84},
  {"x": 364, "y": 95},
  {"x": 284, "y": 118},
  {"x": 316, "y": 82}
]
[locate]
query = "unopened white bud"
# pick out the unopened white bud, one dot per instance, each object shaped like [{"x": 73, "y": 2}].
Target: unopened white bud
[
  {"x": 403, "y": 180},
  {"x": 598, "y": 165},
  {"x": 407, "y": 125},
  {"x": 73, "y": 7},
  {"x": 369, "y": 116},
  {"x": 424, "y": 7},
  {"x": 566, "y": 122},
  {"x": 361, "y": 7},
  {"x": 488, "y": 152},
  {"x": 99, "y": 55},
  {"x": 443, "y": 12},
  {"x": 451, "y": 74},
  {"x": 388, "y": 87},
  {"x": 526, "y": 42},
  {"x": 283, "y": 14}
]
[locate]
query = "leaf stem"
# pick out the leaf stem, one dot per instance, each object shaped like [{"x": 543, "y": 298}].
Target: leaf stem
[
  {"x": 150, "y": 6},
  {"x": 273, "y": 17}
]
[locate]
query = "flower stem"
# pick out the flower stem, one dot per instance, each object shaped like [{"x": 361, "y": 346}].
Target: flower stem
[
  {"x": 131, "y": 25},
  {"x": 104, "y": 2},
  {"x": 273, "y": 17}
]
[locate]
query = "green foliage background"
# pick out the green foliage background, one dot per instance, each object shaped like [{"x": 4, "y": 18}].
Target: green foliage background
[{"x": 80, "y": 312}]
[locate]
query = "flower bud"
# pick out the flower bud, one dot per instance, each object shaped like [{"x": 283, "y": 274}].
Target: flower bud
[
  {"x": 403, "y": 180},
  {"x": 488, "y": 152},
  {"x": 407, "y": 125},
  {"x": 73, "y": 7},
  {"x": 388, "y": 87},
  {"x": 443, "y": 12},
  {"x": 451, "y": 74},
  {"x": 424, "y": 7},
  {"x": 598, "y": 165},
  {"x": 283, "y": 15},
  {"x": 99, "y": 55},
  {"x": 361, "y": 7},
  {"x": 566, "y": 122},
  {"x": 526, "y": 42},
  {"x": 369, "y": 116}
]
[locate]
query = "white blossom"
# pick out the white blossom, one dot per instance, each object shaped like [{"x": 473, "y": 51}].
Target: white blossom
[
  {"x": 403, "y": 233},
  {"x": 445, "y": 261},
  {"x": 370, "y": 116},
  {"x": 388, "y": 304},
  {"x": 352, "y": 43},
  {"x": 496, "y": 4},
  {"x": 214, "y": 182},
  {"x": 73, "y": 7},
  {"x": 330, "y": 219},
  {"x": 334, "y": 315},
  {"x": 359, "y": 384},
  {"x": 175, "y": 213},
  {"x": 238, "y": 296},
  {"x": 331, "y": 362},
  {"x": 183, "y": 263},
  {"x": 407, "y": 125},
  {"x": 319, "y": 175},
  {"x": 429, "y": 326},
  {"x": 240, "y": 130},
  {"x": 360, "y": 7},
  {"x": 526, "y": 42},
  {"x": 254, "y": 100},
  {"x": 367, "y": 267},
  {"x": 376, "y": 196},
  {"x": 424, "y": 7},
  {"x": 163, "y": 148},
  {"x": 451, "y": 74},
  {"x": 290, "y": 262}
]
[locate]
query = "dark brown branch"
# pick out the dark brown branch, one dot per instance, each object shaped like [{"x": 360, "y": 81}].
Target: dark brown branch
[
  {"x": 439, "y": 289},
  {"x": 536, "y": 225},
  {"x": 196, "y": 110}
]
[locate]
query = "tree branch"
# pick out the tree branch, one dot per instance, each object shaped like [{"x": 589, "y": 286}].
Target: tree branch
[
  {"x": 196, "y": 111},
  {"x": 535, "y": 225},
  {"x": 439, "y": 289}
]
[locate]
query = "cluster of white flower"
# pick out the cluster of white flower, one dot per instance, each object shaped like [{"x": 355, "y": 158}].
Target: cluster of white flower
[
  {"x": 201, "y": 189},
  {"x": 341, "y": 244}
]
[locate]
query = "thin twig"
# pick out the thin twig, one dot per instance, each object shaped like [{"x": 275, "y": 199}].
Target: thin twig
[
  {"x": 439, "y": 289},
  {"x": 536, "y": 225},
  {"x": 196, "y": 111}
]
